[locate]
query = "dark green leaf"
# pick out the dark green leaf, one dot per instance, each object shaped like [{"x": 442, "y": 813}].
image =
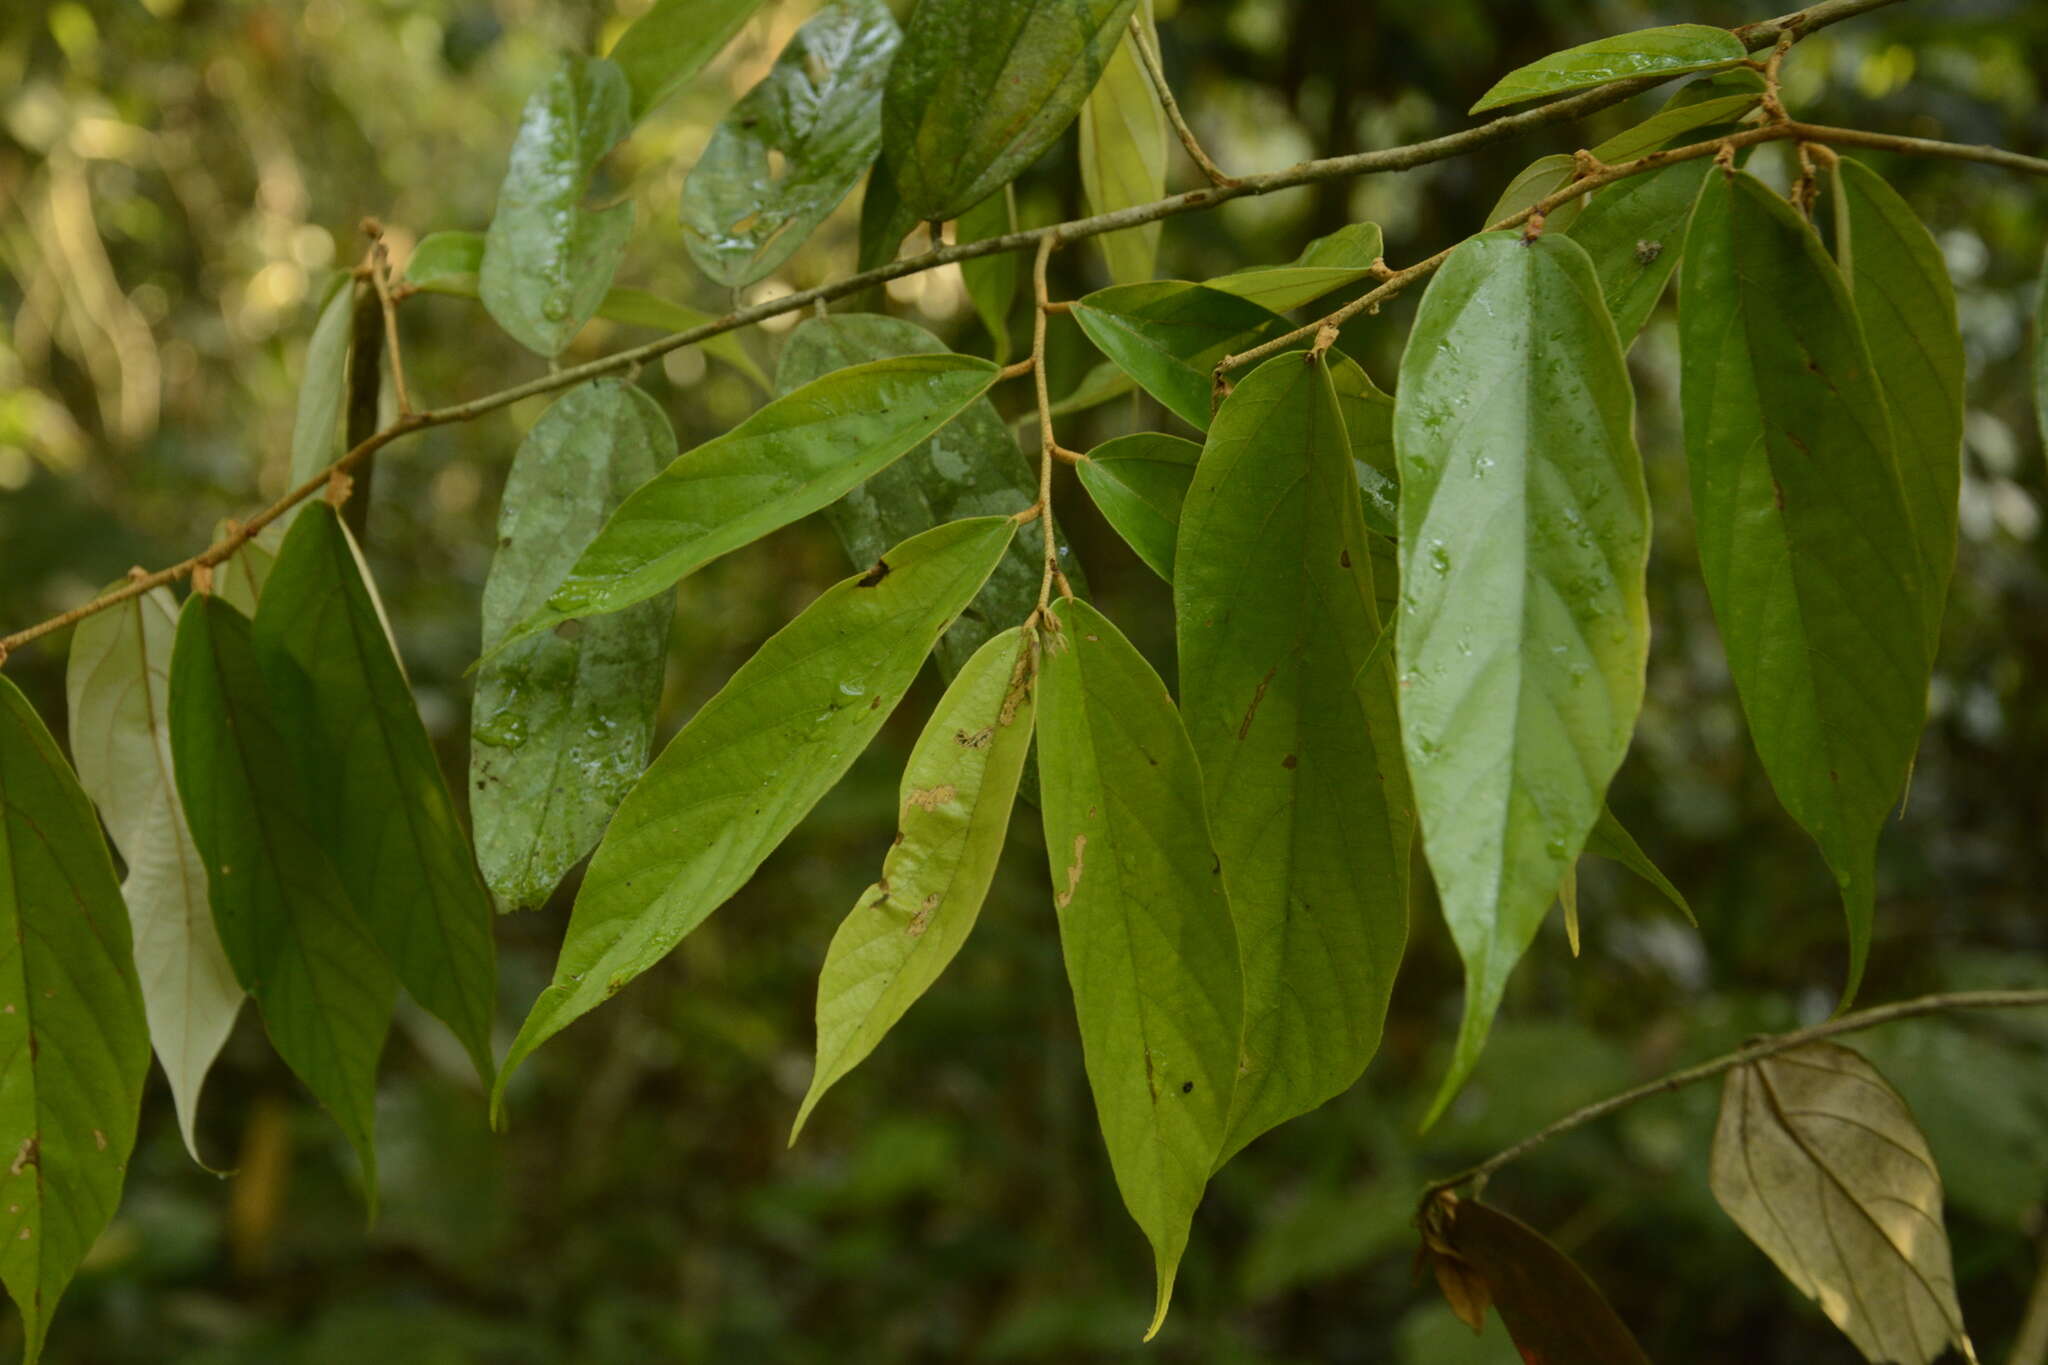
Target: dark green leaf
[
  {"x": 561, "y": 728},
  {"x": 1329, "y": 263},
  {"x": 671, "y": 42},
  {"x": 316, "y": 427},
  {"x": 1667, "y": 51},
  {"x": 72, "y": 1029},
  {"x": 885, "y": 220},
  {"x": 1634, "y": 230},
  {"x": 1138, "y": 483},
  {"x": 992, "y": 280},
  {"x": 1123, "y": 153},
  {"x": 752, "y": 762},
  {"x": 1612, "y": 841},
  {"x": 239, "y": 580},
  {"x": 1168, "y": 336},
  {"x": 1144, "y": 923},
  {"x": 983, "y": 86},
  {"x": 1369, "y": 425},
  {"x": 1523, "y": 629}
]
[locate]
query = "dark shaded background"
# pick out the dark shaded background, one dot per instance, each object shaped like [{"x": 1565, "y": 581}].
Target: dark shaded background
[{"x": 177, "y": 178}]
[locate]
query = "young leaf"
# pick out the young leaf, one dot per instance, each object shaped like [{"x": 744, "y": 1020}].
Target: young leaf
[
  {"x": 1819, "y": 1162},
  {"x": 1138, "y": 483},
  {"x": 1293, "y": 723},
  {"x": 983, "y": 86},
  {"x": 788, "y": 152},
  {"x": 752, "y": 762},
  {"x": 1168, "y": 335},
  {"x": 1534, "y": 183},
  {"x": 238, "y": 580},
  {"x": 561, "y": 728},
  {"x": 1697, "y": 111},
  {"x": 1612, "y": 841},
  {"x": 321, "y": 983},
  {"x": 1634, "y": 230},
  {"x": 885, "y": 220},
  {"x": 1144, "y": 922},
  {"x": 1524, "y": 628},
  {"x": 379, "y": 805},
  {"x": 670, "y": 43},
  {"x": 954, "y": 803},
  {"x": 1123, "y": 152},
  {"x": 1806, "y": 543},
  {"x": 1907, "y": 306},
  {"x": 969, "y": 468},
  {"x": 992, "y": 280},
  {"x": 72, "y": 1025},
  {"x": 118, "y": 689},
  {"x": 1669, "y": 51},
  {"x": 1329, "y": 263},
  {"x": 316, "y": 427},
  {"x": 548, "y": 259}
]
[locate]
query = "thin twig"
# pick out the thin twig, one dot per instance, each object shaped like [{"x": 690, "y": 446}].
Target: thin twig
[
  {"x": 1157, "y": 75},
  {"x": 380, "y": 280},
  {"x": 1041, "y": 299}
]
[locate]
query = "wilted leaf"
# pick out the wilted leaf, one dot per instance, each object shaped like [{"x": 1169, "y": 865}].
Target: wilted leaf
[
  {"x": 992, "y": 280},
  {"x": 1819, "y": 1161},
  {"x": 1668, "y": 51},
  {"x": 1123, "y": 152},
  {"x": 1138, "y": 483},
  {"x": 316, "y": 426},
  {"x": 1329, "y": 263},
  {"x": 1168, "y": 336},
  {"x": 671, "y": 42}
]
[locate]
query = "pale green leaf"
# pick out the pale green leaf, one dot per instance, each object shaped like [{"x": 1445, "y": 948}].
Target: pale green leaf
[
  {"x": 1123, "y": 153},
  {"x": 1168, "y": 335},
  {"x": 1668, "y": 51},
  {"x": 1138, "y": 483},
  {"x": 992, "y": 280},
  {"x": 316, "y": 426},
  {"x": 239, "y": 579},
  {"x": 671, "y": 42},
  {"x": 1523, "y": 630},
  {"x": 1329, "y": 263},
  {"x": 1369, "y": 425},
  {"x": 1534, "y": 183},
  {"x": 1611, "y": 840},
  {"x": 1697, "y": 111}
]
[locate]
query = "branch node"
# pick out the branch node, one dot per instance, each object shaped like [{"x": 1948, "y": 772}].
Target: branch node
[
  {"x": 339, "y": 486},
  {"x": 202, "y": 579},
  {"x": 1532, "y": 229}
]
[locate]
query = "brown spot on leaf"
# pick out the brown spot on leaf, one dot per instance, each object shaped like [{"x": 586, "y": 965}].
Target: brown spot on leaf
[
  {"x": 1343, "y": 559},
  {"x": 978, "y": 740},
  {"x": 875, "y": 575},
  {"x": 922, "y": 920},
  {"x": 1778, "y": 494},
  {"x": 99, "y": 1139},
  {"x": 1257, "y": 697},
  {"x": 1066, "y": 897},
  {"x": 931, "y": 798},
  {"x": 26, "y": 1157},
  {"x": 1289, "y": 761}
]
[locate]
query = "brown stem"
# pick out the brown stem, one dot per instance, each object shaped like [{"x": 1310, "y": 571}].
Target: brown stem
[
  {"x": 1157, "y": 75},
  {"x": 1041, "y": 304}
]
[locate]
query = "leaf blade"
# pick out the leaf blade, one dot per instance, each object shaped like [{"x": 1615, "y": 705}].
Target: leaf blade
[
  {"x": 1138, "y": 483},
  {"x": 1168, "y": 335},
  {"x": 671, "y": 42},
  {"x": 1667, "y": 51},
  {"x": 1123, "y": 152},
  {"x": 1326, "y": 264}
]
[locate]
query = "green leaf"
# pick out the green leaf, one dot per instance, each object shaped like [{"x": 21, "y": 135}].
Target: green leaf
[
  {"x": 954, "y": 802},
  {"x": 1138, "y": 483},
  {"x": 548, "y": 258},
  {"x": 732, "y": 785},
  {"x": 117, "y": 687},
  {"x": 1907, "y": 307},
  {"x": 1634, "y": 230},
  {"x": 1329, "y": 263},
  {"x": 321, "y": 983},
  {"x": 1534, "y": 183},
  {"x": 1123, "y": 152},
  {"x": 1168, "y": 336},
  {"x": 1668, "y": 51},
  {"x": 1612, "y": 841},
  {"x": 885, "y": 220},
  {"x": 1819, "y": 1162},
  {"x": 72, "y": 1025},
  {"x": 2041, "y": 353},
  {"x": 793, "y": 457},
  {"x": 239, "y": 579},
  {"x": 992, "y": 280},
  {"x": 1699, "y": 110},
  {"x": 970, "y": 467},
  {"x": 561, "y": 728},
  {"x": 788, "y": 152},
  {"x": 316, "y": 427},
  {"x": 379, "y": 805},
  {"x": 1524, "y": 629},
  {"x": 670, "y": 43},
  {"x": 981, "y": 87},
  {"x": 1293, "y": 721},
  {"x": 1369, "y": 425},
  {"x": 1145, "y": 924},
  {"x": 1808, "y": 549}
]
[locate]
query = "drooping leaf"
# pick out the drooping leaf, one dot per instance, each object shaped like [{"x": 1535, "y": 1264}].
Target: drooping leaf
[
  {"x": 71, "y": 1022},
  {"x": 1168, "y": 335},
  {"x": 1138, "y": 483},
  {"x": 788, "y": 152},
  {"x": 983, "y": 86},
  {"x": 379, "y": 804},
  {"x": 320, "y": 981},
  {"x": 1369, "y": 425},
  {"x": 1144, "y": 921},
  {"x": 885, "y": 220},
  {"x": 970, "y": 467},
  {"x": 548, "y": 257},
  {"x": 1819, "y": 1162},
  {"x": 1123, "y": 152},
  {"x": 1329, "y": 263},
  {"x": 1524, "y": 630},
  {"x": 1806, "y": 543},
  {"x": 1634, "y": 230},
  {"x": 671, "y": 42},
  {"x": 1534, "y": 183},
  {"x": 954, "y": 811},
  {"x": 752, "y": 762},
  {"x": 561, "y": 728},
  {"x": 1296, "y": 735},
  {"x": 1907, "y": 307},
  {"x": 239, "y": 580},
  {"x": 117, "y": 687},
  {"x": 992, "y": 280},
  {"x": 316, "y": 427},
  {"x": 1668, "y": 51},
  {"x": 1611, "y": 840}
]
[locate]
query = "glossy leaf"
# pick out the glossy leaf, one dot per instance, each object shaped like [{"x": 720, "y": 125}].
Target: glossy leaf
[
  {"x": 1294, "y": 724},
  {"x": 1329, "y": 263},
  {"x": 239, "y": 580},
  {"x": 1698, "y": 110},
  {"x": 1635, "y": 230},
  {"x": 752, "y": 762},
  {"x": 1611, "y": 840},
  {"x": 1668, "y": 51},
  {"x": 1819, "y": 1161},
  {"x": 1907, "y": 306},
  {"x": 379, "y": 805},
  {"x": 954, "y": 810},
  {"x": 117, "y": 690},
  {"x": 1123, "y": 152},
  {"x": 316, "y": 426},
  {"x": 1523, "y": 631},
  {"x": 1168, "y": 336},
  {"x": 1144, "y": 922},
  {"x": 71, "y": 1022},
  {"x": 671, "y": 42},
  {"x": 992, "y": 280},
  {"x": 548, "y": 257},
  {"x": 983, "y": 86},
  {"x": 793, "y": 146},
  {"x": 1138, "y": 483},
  {"x": 1534, "y": 183},
  {"x": 298, "y": 947},
  {"x": 561, "y": 728},
  {"x": 1806, "y": 543},
  {"x": 1369, "y": 426}
]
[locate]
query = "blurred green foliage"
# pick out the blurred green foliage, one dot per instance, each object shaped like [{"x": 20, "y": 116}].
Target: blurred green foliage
[{"x": 178, "y": 178}]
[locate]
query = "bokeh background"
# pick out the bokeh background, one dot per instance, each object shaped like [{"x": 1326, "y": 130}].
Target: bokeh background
[{"x": 178, "y": 178}]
